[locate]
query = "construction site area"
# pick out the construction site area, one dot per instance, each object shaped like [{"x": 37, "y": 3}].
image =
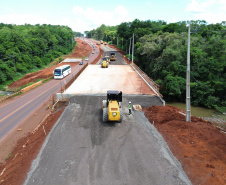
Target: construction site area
[{"x": 71, "y": 144}]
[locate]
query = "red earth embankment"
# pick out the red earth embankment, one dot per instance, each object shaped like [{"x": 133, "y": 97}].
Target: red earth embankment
[
  {"x": 82, "y": 49},
  {"x": 198, "y": 145}
]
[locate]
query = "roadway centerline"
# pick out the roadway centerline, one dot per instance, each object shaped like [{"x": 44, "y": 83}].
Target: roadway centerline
[
  {"x": 31, "y": 100},
  {"x": 25, "y": 104}
]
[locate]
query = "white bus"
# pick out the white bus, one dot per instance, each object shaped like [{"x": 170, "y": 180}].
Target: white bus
[{"x": 62, "y": 71}]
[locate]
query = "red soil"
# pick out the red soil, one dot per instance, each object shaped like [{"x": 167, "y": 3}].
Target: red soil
[
  {"x": 23, "y": 146},
  {"x": 198, "y": 145},
  {"x": 82, "y": 49},
  {"x": 15, "y": 169}
]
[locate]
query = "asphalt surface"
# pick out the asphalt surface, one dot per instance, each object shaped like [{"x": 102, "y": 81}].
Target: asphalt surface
[
  {"x": 13, "y": 113},
  {"x": 119, "y": 59},
  {"x": 81, "y": 149}
]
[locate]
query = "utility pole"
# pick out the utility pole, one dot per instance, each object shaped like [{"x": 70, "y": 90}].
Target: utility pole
[
  {"x": 117, "y": 41},
  {"x": 129, "y": 47},
  {"x": 188, "y": 100},
  {"x": 126, "y": 46},
  {"x": 133, "y": 49}
]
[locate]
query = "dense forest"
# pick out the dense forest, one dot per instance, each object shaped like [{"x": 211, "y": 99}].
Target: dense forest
[
  {"x": 78, "y": 34},
  {"x": 160, "y": 49},
  {"x": 26, "y": 48}
]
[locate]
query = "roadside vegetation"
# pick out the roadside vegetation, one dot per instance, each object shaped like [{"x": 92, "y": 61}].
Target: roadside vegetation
[
  {"x": 161, "y": 52},
  {"x": 28, "y": 48}
]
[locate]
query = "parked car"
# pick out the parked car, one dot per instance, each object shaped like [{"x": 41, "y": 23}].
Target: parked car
[
  {"x": 81, "y": 63},
  {"x": 86, "y": 59},
  {"x": 92, "y": 52}
]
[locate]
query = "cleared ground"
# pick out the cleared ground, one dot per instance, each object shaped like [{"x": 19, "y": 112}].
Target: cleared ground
[
  {"x": 81, "y": 149},
  {"x": 199, "y": 146},
  {"x": 118, "y": 76},
  {"x": 97, "y": 80}
]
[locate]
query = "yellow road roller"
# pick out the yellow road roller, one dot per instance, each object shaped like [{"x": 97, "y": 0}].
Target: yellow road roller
[
  {"x": 104, "y": 63},
  {"x": 112, "y": 108}
]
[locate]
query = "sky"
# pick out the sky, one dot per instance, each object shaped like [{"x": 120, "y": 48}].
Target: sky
[{"x": 85, "y": 15}]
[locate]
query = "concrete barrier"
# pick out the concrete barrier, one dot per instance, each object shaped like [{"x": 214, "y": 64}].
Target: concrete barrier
[
  {"x": 31, "y": 86},
  {"x": 65, "y": 97}
]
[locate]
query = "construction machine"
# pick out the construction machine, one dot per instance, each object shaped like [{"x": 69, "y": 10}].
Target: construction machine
[
  {"x": 105, "y": 43},
  {"x": 113, "y": 56},
  {"x": 108, "y": 58},
  {"x": 104, "y": 63},
  {"x": 112, "y": 109}
]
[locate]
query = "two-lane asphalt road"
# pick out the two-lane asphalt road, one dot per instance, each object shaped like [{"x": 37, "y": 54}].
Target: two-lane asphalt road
[{"x": 12, "y": 113}]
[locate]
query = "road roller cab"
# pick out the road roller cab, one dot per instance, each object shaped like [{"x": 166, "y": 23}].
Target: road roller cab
[
  {"x": 113, "y": 56},
  {"x": 112, "y": 109},
  {"x": 104, "y": 63},
  {"x": 108, "y": 58}
]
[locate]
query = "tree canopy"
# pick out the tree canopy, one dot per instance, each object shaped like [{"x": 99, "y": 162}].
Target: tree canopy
[
  {"x": 161, "y": 51},
  {"x": 27, "y": 47}
]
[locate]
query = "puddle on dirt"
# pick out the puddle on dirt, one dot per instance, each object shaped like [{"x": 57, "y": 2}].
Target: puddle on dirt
[
  {"x": 199, "y": 111},
  {"x": 3, "y": 93}
]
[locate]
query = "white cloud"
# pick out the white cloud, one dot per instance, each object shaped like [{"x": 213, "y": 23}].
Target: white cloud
[
  {"x": 212, "y": 11},
  {"x": 88, "y": 18},
  {"x": 195, "y": 7}
]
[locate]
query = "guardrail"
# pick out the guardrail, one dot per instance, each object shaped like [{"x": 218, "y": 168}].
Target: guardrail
[{"x": 149, "y": 81}]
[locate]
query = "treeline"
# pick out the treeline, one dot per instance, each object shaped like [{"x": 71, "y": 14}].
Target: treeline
[
  {"x": 106, "y": 33},
  {"x": 161, "y": 51},
  {"x": 78, "y": 34},
  {"x": 24, "y": 48}
]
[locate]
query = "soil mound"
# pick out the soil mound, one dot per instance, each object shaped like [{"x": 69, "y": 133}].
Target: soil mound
[{"x": 198, "y": 145}]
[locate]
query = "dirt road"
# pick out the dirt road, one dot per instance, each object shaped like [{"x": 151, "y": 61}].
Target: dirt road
[{"x": 81, "y": 149}]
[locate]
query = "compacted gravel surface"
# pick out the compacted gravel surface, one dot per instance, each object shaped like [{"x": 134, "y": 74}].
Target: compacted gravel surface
[{"x": 81, "y": 149}]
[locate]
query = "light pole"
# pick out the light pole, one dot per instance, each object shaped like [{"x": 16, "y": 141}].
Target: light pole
[
  {"x": 129, "y": 47},
  {"x": 188, "y": 100},
  {"x": 133, "y": 49}
]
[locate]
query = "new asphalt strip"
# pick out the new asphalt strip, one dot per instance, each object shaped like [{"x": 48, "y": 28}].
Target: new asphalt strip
[{"x": 81, "y": 149}]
